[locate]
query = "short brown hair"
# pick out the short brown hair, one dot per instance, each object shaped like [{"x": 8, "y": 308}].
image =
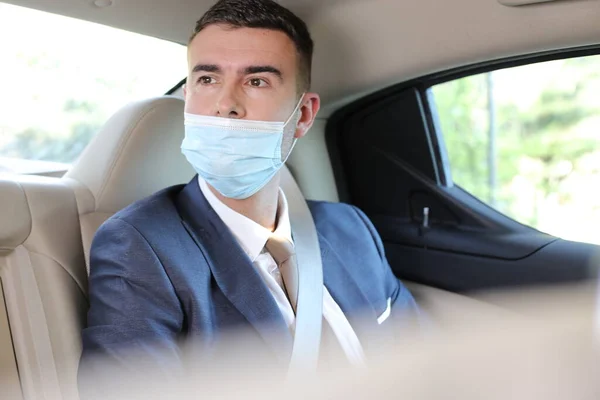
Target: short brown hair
[{"x": 265, "y": 14}]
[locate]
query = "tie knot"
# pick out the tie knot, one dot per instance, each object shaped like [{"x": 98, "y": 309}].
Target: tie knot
[{"x": 280, "y": 249}]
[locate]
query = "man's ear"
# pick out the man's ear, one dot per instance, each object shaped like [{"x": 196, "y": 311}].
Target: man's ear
[{"x": 308, "y": 112}]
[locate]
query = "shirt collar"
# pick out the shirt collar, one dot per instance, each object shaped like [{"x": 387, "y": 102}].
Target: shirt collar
[{"x": 251, "y": 236}]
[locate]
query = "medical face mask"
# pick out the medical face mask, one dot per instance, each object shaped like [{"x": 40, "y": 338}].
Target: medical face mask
[{"x": 235, "y": 156}]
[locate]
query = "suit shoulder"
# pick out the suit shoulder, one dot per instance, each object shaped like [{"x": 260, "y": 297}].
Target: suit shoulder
[
  {"x": 336, "y": 218},
  {"x": 159, "y": 206},
  {"x": 326, "y": 210},
  {"x": 317, "y": 207}
]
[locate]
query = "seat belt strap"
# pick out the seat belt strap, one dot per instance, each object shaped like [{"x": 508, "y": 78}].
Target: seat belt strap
[{"x": 309, "y": 313}]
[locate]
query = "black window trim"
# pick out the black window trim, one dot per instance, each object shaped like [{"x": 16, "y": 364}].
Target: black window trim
[
  {"x": 486, "y": 214},
  {"x": 176, "y": 87}
]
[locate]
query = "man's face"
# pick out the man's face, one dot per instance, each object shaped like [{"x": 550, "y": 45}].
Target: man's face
[{"x": 246, "y": 73}]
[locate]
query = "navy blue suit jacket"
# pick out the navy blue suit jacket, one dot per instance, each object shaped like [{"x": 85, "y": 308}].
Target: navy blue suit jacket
[{"x": 167, "y": 267}]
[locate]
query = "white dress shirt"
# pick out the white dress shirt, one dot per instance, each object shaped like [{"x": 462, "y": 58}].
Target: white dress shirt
[{"x": 252, "y": 237}]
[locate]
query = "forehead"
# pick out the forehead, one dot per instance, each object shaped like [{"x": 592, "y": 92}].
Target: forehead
[{"x": 223, "y": 45}]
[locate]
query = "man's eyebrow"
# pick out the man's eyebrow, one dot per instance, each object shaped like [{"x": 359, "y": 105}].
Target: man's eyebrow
[
  {"x": 257, "y": 69},
  {"x": 206, "y": 68}
]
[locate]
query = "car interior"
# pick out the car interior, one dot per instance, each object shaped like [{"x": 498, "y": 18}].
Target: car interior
[{"x": 376, "y": 144}]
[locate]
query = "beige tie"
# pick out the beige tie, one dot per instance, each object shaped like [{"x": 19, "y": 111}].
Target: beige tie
[{"x": 282, "y": 251}]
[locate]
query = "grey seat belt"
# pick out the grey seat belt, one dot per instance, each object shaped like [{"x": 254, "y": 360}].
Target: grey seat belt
[{"x": 309, "y": 313}]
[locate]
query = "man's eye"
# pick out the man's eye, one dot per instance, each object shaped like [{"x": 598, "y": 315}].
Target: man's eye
[
  {"x": 257, "y": 82},
  {"x": 206, "y": 80}
]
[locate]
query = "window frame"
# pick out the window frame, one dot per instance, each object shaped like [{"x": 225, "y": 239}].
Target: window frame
[
  {"x": 176, "y": 88},
  {"x": 488, "y": 216}
]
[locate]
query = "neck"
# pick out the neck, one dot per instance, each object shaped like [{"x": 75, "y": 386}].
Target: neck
[{"x": 261, "y": 207}]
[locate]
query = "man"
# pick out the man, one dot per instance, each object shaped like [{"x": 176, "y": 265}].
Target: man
[{"x": 200, "y": 260}]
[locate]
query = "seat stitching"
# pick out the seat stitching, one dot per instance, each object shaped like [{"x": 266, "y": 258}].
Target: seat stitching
[
  {"x": 34, "y": 252},
  {"x": 28, "y": 209},
  {"x": 79, "y": 286},
  {"x": 122, "y": 144}
]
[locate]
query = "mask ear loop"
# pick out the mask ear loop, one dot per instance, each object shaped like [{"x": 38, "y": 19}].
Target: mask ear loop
[
  {"x": 295, "y": 112},
  {"x": 295, "y": 109},
  {"x": 290, "y": 152}
]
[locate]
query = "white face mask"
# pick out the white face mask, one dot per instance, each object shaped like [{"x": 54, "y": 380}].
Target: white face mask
[{"x": 235, "y": 156}]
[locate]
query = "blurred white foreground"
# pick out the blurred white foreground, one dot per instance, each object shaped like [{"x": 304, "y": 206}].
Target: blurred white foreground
[{"x": 539, "y": 344}]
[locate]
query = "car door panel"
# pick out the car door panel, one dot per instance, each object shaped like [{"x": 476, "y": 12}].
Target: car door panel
[{"x": 389, "y": 160}]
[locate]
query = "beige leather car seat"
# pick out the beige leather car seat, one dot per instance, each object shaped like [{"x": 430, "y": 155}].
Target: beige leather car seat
[
  {"x": 42, "y": 271},
  {"x": 136, "y": 154},
  {"x": 46, "y": 228}
]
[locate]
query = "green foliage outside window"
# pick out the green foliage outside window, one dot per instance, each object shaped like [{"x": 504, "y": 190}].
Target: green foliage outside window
[{"x": 547, "y": 150}]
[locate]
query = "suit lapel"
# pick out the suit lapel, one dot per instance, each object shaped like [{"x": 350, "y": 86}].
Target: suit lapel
[
  {"x": 233, "y": 271},
  {"x": 240, "y": 283}
]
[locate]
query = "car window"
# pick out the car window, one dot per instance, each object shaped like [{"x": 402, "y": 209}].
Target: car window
[
  {"x": 62, "y": 78},
  {"x": 526, "y": 140}
]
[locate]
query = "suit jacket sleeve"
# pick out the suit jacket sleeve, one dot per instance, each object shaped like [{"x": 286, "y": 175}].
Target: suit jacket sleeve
[
  {"x": 135, "y": 316},
  {"x": 403, "y": 305}
]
